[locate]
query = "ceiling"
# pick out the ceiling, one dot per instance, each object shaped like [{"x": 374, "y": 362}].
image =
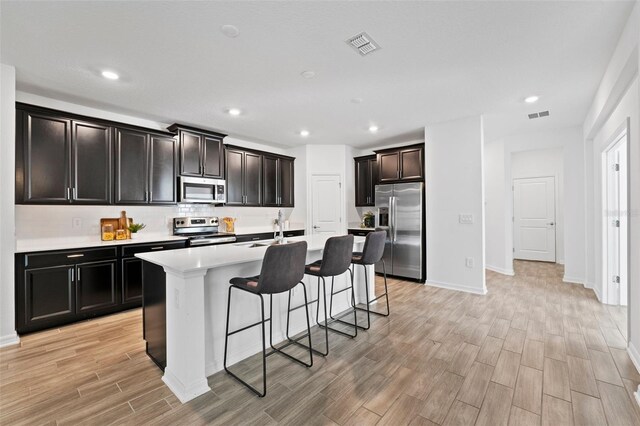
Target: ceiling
[{"x": 438, "y": 61}]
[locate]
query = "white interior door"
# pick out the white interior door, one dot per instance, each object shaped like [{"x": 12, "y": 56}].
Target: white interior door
[
  {"x": 534, "y": 219},
  {"x": 616, "y": 223},
  {"x": 326, "y": 205}
]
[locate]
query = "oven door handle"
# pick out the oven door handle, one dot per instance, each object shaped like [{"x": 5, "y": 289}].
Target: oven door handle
[{"x": 207, "y": 241}]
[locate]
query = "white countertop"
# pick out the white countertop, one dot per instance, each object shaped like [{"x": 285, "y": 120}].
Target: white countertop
[
  {"x": 244, "y": 230},
  {"x": 208, "y": 257},
  {"x": 45, "y": 244},
  {"x": 357, "y": 228}
]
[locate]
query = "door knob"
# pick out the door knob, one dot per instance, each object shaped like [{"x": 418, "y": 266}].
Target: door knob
[
  {"x": 315, "y": 227},
  {"x": 550, "y": 224}
]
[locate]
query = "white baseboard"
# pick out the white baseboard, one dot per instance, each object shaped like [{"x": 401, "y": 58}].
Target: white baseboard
[
  {"x": 500, "y": 270},
  {"x": 573, "y": 280},
  {"x": 457, "y": 287},
  {"x": 597, "y": 292},
  {"x": 634, "y": 355},
  {"x": 9, "y": 340}
]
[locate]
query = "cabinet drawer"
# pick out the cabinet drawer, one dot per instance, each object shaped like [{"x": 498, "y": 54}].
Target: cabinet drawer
[
  {"x": 297, "y": 233},
  {"x": 133, "y": 249},
  {"x": 359, "y": 233},
  {"x": 254, "y": 237},
  {"x": 68, "y": 257}
]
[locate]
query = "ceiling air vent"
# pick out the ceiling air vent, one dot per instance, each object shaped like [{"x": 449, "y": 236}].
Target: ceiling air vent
[
  {"x": 363, "y": 43},
  {"x": 538, "y": 115}
]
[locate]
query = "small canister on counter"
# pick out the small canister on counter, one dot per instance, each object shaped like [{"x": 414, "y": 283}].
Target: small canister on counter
[
  {"x": 107, "y": 233},
  {"x": 121, "y": 234}
]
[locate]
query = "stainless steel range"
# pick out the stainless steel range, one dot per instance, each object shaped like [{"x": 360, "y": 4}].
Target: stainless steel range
[{"x": 201, "y": 231}]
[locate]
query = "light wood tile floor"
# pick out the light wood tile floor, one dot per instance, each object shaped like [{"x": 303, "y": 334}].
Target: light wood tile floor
[{"x": 535, "y": 350}]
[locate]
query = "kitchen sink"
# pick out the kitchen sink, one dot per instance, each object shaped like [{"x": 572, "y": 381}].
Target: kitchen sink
[{"x": 266, "y": 243}]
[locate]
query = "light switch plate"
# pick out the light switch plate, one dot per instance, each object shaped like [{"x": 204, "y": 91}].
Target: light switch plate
[
  {"x": 465, "y": 218},
  {"x": 469, "y": 262}
]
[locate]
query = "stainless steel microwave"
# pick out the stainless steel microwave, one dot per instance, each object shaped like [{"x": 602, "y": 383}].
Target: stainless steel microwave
[{"x": 202, "y": 190}]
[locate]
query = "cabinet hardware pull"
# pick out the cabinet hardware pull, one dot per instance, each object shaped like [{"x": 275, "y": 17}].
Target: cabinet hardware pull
[
  {"x": 68, "y": 194},
  {"x": 72, "y": 275},
  {"x": 157, "y": 248},
  {"x": 255, "y": 238},
  {"x": 79, "y": 274},
  {"x": 74, "y": 255},
  {"x": 150, "y": 196},
  {"x": 75, "y": 193}
]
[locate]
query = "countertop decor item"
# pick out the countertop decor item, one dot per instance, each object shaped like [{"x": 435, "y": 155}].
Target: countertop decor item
[
  {"x": 114, "y": 222},
  {"x": 229, "y": 223},
  {"x": 368, "y": 220},
  {"x": 134, "y": 228}
]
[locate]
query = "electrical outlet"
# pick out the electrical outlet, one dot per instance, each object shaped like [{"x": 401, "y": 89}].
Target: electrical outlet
[
  {"x": 76, "y": 222},
  {"x": 466, "y": 219},
  {"x": 469, "y": 262}
]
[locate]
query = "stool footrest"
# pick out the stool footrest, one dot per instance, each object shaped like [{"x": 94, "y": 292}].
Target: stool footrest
[
  {"x": 248, "y": 327},
  {"x": 371, "y": 312},
  {"x": 335, "y": 330}
]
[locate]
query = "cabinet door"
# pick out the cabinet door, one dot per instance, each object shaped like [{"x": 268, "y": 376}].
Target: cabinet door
[
  {"x": 234, "y": 173},
  {"x": 411, "y": 165},
  {"x": 252, "y": 179},
  {"x": 46, "y": 152},
  {"x": 270, "y": 181},
  {"x": 389, "y": 167},
  {"x": 373, "y": 168},
  {"x": 190, "y": 154},
  {"x": 132, "y": 281},
  {"x": 212, "y": 157},
  {"x": 49, "y": 296},
  {"x": 163, "y": 161},
  {"x": 286, "y": 183},
  {"x": 131, "y": 167},
  {"x": 96, "y": 286},
  {"x": 363, "y": 177},
  {"x": 91, "y": 163}
]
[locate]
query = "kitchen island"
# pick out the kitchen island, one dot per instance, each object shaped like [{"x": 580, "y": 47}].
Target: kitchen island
[{"x": 189, "y": 288}]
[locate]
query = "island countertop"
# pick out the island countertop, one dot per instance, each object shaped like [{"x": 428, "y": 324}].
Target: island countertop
[{"x": 201, "y": 258}]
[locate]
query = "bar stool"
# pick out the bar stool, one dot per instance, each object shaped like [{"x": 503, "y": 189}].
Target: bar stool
[
  {"x": 282, "y": 270},
  {"x": 371, "y": 254},
  {"x": 336, "y": 259}
]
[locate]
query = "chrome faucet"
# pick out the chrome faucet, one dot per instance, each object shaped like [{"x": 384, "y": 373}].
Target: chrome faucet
[{"x": 280, "y": 221}]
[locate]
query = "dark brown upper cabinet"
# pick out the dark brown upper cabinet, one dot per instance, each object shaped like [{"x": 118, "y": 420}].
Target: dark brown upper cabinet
[
  {"x": 146, "y": 167},
  {"x": 403, "y": 164},
  {"x": 60, "y": 160},
  {"x": 201, "y": 152},
  {"x": 277, "y": 181},
  {"x": 366, "y": 180},
  {"x": 244, "y": 177}
]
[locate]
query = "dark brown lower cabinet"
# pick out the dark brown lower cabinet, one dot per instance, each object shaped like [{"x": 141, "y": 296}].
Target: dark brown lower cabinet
[{"x": 58, "y": 287}]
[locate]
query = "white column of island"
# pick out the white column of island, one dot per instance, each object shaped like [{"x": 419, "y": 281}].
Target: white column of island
[{"x": 197, "y": 283}]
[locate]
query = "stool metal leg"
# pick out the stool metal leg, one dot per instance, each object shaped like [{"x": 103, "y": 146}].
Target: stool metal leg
[
  {"x": 279, "y": 350},
  {"x": 366, "y": 290},
  {"x": 308, "y": 335},
  {"x": 264, "y": 349},
  {"x": 355, "y": 318},
  {"x": 326, "y": 317}
]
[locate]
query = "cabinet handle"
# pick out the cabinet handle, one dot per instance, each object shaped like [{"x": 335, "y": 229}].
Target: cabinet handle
[
  {"x": 72, "y": 275},
  {"x": 68, "y": 193},
  {"x": 150, "y": 196},
  {"x": 70, "y": 256},
  {"x": 75, "y": 193},
  {"x": 255, "y": 238},
  {"x": 78, "y": 274},
  {"x": 157, "y": 248}
]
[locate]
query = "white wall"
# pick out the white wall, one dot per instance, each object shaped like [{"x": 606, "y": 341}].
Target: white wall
[
  {"x": 617, "y": 98},
  {"x": 8, "y": 334},
  {"x": 499, "y": 213},
  {"x": 454, "y": 179},
  {"x": 542, "y": 163}
]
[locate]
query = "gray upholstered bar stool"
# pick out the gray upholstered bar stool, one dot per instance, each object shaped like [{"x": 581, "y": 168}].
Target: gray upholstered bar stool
[
  {"x": 282, "y": 270},
  {"x": 336, "y": 259},
  {"x": 371, "y": 254}
]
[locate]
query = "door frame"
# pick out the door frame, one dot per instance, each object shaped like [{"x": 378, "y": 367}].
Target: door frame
[
  {"x": 343, "y": 224},
  {"x": 620, "y": 135},
  {"x": 555, "y": 213}
]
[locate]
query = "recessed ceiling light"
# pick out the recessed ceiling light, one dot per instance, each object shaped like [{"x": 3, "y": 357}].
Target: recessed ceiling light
[
  {"x": 234, "y": 111},
  {"x": 373, "y": 128},
  {"x": 356, "y": 100},
  {"x": 230, "y": 31},
  {"x": 308, "y": 74},
  {"x": 531, "y": 99},
  {"x": 304, "y": 133},
  {"x": 110, "y": 75}
]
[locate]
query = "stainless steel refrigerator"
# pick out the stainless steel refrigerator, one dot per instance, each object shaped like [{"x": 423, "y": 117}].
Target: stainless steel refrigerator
[{"x": 400, "y": 212}]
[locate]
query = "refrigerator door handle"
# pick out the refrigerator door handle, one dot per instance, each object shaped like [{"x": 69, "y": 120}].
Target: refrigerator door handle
[
  {"x": 391, "y": 219},
  {"x": 395, "y": 227}
]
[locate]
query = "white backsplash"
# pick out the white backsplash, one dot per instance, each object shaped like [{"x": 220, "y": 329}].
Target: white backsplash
[{"x": 58, "y": 221}]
